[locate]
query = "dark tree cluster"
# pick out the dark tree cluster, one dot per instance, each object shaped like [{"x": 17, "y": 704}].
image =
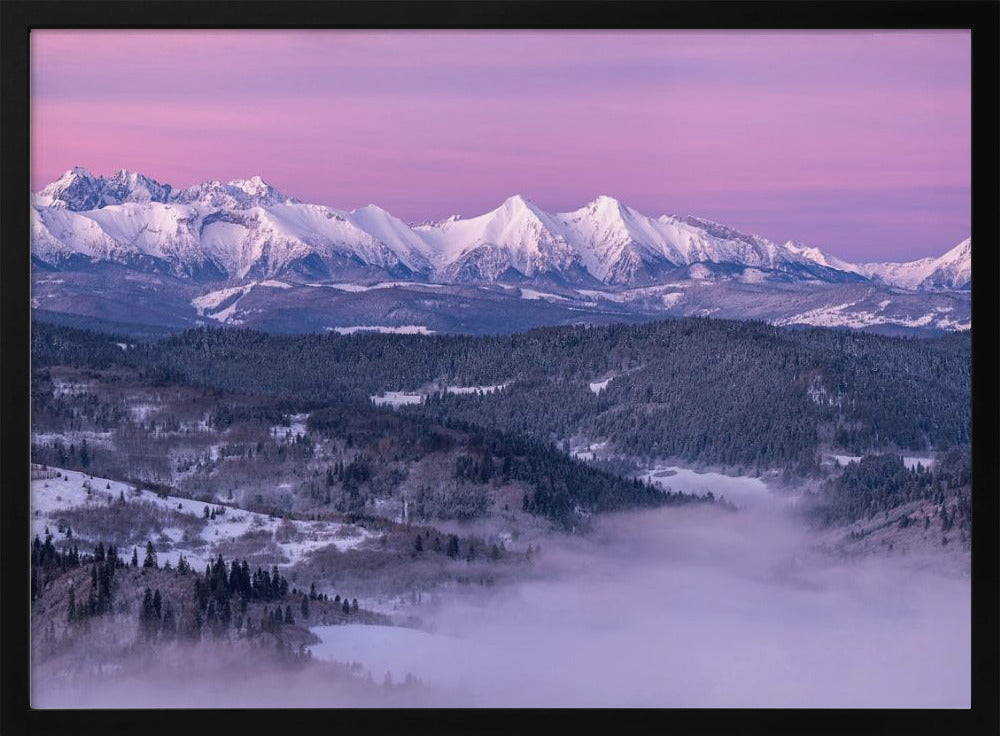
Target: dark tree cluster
[
  {"x": 738, "y": 393},
  {"x": 880, "y": 483},
  {"x": 48, "y": 563}
]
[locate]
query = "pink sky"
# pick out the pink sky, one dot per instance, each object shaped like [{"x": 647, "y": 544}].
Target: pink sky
[{"x": 856, "y": 142}]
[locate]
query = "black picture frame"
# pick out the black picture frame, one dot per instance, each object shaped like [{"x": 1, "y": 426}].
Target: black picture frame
[{"x": 18, "y": 17}]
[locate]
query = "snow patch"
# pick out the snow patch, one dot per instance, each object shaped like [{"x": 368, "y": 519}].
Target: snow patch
[
  {"x": 397, "y": 398},
  {"x": 476, "y": 389},
  {"x": 389, "y": 330},
  {"x": 598, "y": 386}
]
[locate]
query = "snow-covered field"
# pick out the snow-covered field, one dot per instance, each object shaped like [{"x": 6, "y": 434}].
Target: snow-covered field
[
  {"x": 402, "y": 398},
  {"x": 397, "y": 330},
  {"x": 739, "y": 489},
  {"x": 533, "y": 295},
  {"x": 587, "y": 450},
  {"x": 673, "y": 298},
  {"x": 846, "y": 315},
  {"x": 357, "y": 288},
  {"x": 598, "y": 386},
  {"x": 208, "y": 304},
  {"x": 296, "y": 426},
  {"x": 909, "y": 462},
  {"x": 50, "y": 496},
  {"x": 476, "y": 389},
  {"x": 397, "y": 398}
]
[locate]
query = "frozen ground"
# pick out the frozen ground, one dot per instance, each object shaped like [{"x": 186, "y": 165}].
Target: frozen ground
[
  {"x": 909, "y": 462},
  {"x": 397, "y": 330},
  {"x": 598, "y": 386},
  {"x": 739, "y": 489},
  {"x": 49, "y": 496},
  {"x": 397, "y": 398}
]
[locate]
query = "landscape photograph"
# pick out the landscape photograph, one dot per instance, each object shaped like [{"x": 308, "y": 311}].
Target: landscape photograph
[{"x": 501, "y": 369}]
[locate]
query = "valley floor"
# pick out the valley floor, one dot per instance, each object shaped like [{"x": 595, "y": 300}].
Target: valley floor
[{"x": 677, "y": 561}]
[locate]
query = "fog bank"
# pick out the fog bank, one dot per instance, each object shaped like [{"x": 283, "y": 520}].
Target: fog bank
[{"x": 700, "y": 608}]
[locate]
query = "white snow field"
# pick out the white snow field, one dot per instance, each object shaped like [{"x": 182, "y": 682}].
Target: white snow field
[
  {"x": 739, "y": 489},
  {"x": 909, "y": 462},
  {"x": 49, "y": 496},
  {"x": 397, "y": 398},
  {"x": 397, "y": 330}
]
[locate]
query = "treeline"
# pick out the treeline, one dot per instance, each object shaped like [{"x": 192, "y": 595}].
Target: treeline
[
  {"x": 561, "y": 484},
  {"x": 736, "y": 393},
  {"x": 228, "y": 599},
  {"x": 48, "y": 562},
  {"x": 880, "y": 483}
]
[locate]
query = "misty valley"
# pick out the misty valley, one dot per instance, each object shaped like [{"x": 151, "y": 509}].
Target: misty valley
[{"x": 691, "y": 513}]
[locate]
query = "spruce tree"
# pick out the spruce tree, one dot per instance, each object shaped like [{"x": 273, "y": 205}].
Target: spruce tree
[{"x": 169, "y": 627}]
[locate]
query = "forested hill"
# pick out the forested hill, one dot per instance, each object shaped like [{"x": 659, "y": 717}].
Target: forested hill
[{"x": 742, "y": 394}]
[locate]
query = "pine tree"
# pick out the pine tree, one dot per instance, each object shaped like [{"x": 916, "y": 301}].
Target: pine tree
[
  {"x": 346, "y": 606},
  {"x": 150, "y": 560},
  {"x": 135, "y": 557},
  {"x": 305, "y": 607},
  {"x": 169, "y": 628},
  {"x": 149, "y": 620}
]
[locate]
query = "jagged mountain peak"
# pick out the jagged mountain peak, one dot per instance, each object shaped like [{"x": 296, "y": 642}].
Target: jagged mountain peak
[
  {"x": 949, "y": 271},
  {"x": 517, "y": 200},
  {"x": 248, "y": 225},
  {"x": 605, "y": 202},
  {"x": 519, "y": 205},
  {"x": 255, "y": 186},
  {"x": 79, "y": 190},
  {"x": 78, "y": 171},
  {"x": 237, "y": 194}
]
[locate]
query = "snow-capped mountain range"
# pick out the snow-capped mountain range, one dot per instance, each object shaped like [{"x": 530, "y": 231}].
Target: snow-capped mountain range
[{"x": 247, "y": 230}]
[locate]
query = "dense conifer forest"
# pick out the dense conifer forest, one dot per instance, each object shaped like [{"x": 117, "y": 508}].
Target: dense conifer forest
[
  {"x": 879, "y": 483},
  {"x": 741, "y": 394}
]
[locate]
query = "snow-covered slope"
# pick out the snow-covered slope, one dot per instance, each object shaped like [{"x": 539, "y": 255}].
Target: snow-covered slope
[
  {"x": 953, "y": 270},
  {"x": 516, "y": 236},
  {"x": 248, "y": 230}
]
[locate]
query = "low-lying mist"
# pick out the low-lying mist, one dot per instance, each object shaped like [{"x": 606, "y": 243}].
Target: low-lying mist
[
  {"x": 689, "y": 607},
  {"x": 700, "y": 608}
]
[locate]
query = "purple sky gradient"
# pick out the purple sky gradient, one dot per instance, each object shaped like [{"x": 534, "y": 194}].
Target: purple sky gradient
[{"x": 859, "y": 143}]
